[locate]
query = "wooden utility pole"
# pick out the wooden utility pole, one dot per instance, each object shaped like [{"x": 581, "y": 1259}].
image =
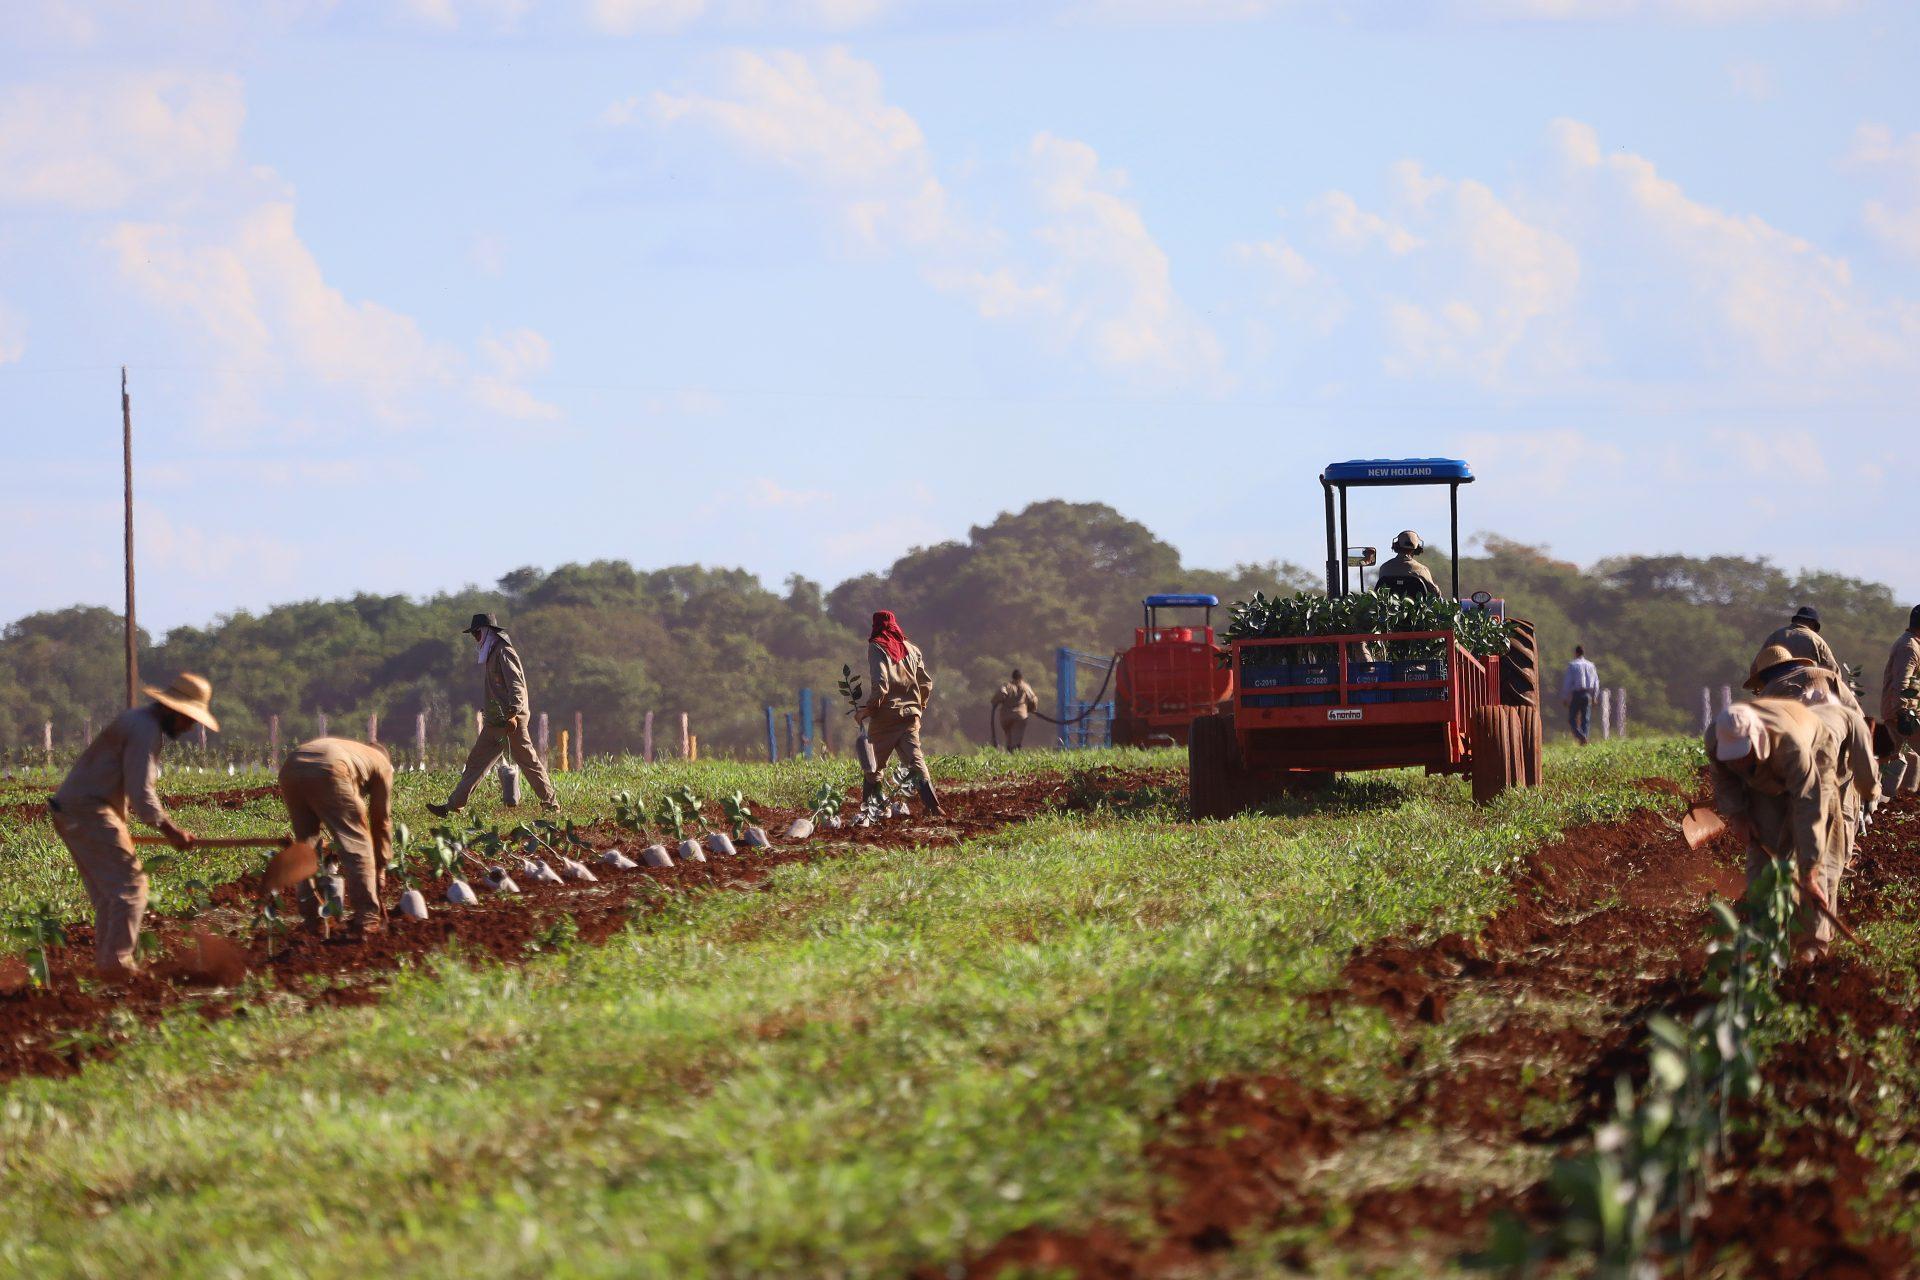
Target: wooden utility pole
[{"x": 126, "y": 458}]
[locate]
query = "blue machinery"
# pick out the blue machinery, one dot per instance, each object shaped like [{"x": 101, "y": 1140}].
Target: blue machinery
[{"x": 1082, "y": 724}]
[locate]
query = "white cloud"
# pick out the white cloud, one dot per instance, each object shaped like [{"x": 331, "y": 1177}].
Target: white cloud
[
  {"x": 630, "y": 17},
  {"x": 13, "y": 335},
  {"x": 1101, "y": 281},
  {"x": 1681, "y": 10},
  {"x": 1546, "y": 463},
  {"x": 1350, "y": 227},
  {"x": 512, "y": 358},
  {"x": 98, "y": 146},
  {"x": 1894, "y": 162}
]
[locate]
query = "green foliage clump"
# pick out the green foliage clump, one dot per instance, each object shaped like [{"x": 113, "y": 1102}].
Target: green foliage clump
[{"x": 1368, "y": 613}]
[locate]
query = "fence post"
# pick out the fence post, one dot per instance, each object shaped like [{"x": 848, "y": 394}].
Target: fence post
[
  {"x": 1064, "y": 681},
  {"x": 373, "y": 726},
  {"x": 1706, "y": 708},
  {"x": 563, "y": 751},
  {"x": 646, "y": 738},
  {"x": 479, "y": 724},
  {"x": 1606, "y": 714},
  {"x": 273, "y": 743},
  {"x": 1620, "y": 711},
  {"x": 86, "y": 730},
  {"x": 806, "y": 723},
  {"x": 544, "y": 755},
  {"x": 420, "y": 738},
  {"x": 686, "y": 739},
  {"x": 323, "y": 722},
  {"x": 579, "y": 740},
  {"x": 773, "y": 751},
  {"x": 791, "y": 750},
  {"x": 1726, "y": 696},
  {"x": 46, "y": 740}
]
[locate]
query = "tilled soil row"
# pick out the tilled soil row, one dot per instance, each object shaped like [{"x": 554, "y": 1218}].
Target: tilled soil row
[
  {"x": 35, "y": 805},
  {"x": 57, "y": 1030},
  {"x": 1609, "y": 921}
]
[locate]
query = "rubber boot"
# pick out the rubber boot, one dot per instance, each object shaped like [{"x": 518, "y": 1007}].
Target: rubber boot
[
  {"x": 928, "y": 799},
  {"x": 869, "y": 791}
]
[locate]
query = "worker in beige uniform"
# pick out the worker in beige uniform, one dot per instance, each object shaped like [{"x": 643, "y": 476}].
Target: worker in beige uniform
[
  {"x": 1779, "y": 674},
  {"x": 1013, "y": 702},
  {"x": 1903, "y": 663},
  {"x": 113, "y": 777},
  {"x": 1801, "y": 637},
  {"x": 347, "y": 787},
  {"x": 1775, "y": 770},
  {"x": 901, "y": 689},
  {"x": 1403, "y": 572},
  {"x": 507, "y": 718}
]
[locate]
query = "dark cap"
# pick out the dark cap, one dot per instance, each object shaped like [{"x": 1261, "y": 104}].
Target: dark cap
[
  {"x": 1913, "y": 619},
  {"x": 1808, "y": 614},
  {"x": 480, "y": 621}
]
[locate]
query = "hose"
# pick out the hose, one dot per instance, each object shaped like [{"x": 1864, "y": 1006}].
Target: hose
[{"x": 1041, "y": 715}]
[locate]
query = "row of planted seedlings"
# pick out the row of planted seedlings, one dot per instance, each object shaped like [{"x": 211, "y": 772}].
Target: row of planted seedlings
[
  {"x": 1633, "y": 1196},
  {"x": 1362, "y": 613}
]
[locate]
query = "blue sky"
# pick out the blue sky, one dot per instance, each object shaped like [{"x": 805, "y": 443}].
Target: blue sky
[{"x": 417, "y": 291}]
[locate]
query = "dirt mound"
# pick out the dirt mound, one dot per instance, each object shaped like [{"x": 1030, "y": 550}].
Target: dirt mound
[{"x": 57, "y": 1030}]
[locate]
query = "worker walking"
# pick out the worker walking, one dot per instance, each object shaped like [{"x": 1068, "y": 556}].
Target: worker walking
[
  {"x": 1012, "y": 703},
  {"x": 901, "y": 690},
  {"x": 507, "y": 717},
  {"x": 1801, "y": 637},
  {"x": 1403, "y": 573},
  {"x": 1775, "y": 769},
  {"x": 1578, "y": 688},
  {"x": 347, "y": 787},
  {"x": 1901, "y": 720},
  {"x": 114, "y": 776}
]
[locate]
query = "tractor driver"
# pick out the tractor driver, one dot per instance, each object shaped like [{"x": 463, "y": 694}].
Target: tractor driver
[{"x": 1404, "y": 573}]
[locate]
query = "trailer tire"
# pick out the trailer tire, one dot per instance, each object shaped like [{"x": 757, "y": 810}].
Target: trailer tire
[
  {"x": 1520, "y": 668},
  {"x": 1504, "y": 741},
  {"x": 1214, "y": 784}
]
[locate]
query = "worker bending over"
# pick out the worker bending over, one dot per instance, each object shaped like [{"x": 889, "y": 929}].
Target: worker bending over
[
  {"x": 1403, "y": 573},
  {"x": 1012, "y": 704},
  {"x": 901, "y": 690},
  {"x": 1775, "y": 768},
  {"x": 1903, "y": 773},
  {"x": 1801, "y": 637},
  {"x": 1780, "y": 673},
  {"x": 346, "y": 787},
  {"x": 113, "y": 775},
  {"x": 506, "y": 720}
]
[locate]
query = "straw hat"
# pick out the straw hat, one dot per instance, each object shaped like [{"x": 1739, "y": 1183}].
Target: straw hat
[
  {"x": 189, "y": 695},
  {"x": 1771, "y": 656},
  {"x": 481, "y": 622}
]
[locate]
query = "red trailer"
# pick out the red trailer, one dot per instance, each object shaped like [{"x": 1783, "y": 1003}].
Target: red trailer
[
  {"x": 1291, "y": 724},
  {"x": 1172, "y": 674}
]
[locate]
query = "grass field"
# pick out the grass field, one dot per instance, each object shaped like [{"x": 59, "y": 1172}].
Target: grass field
[{"x": 882, "y": 1061}]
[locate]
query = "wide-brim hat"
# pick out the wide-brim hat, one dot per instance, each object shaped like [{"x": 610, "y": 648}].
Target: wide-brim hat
[
  {"x": 481, "y": 621},
  {"x": 1768, "y": 658},
  {"x": 189, "y": 695},
  {"x": 1809, "y": 615}
]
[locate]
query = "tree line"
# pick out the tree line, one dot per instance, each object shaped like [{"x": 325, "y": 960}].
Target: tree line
[{"x": 615, "y": 642}]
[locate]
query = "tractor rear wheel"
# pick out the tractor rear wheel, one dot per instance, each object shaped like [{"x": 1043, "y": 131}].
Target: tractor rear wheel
[
  {"x": 1520, "y": 668},
  {"x": 1505, "y": 742},
  {"x": 1215, "y": 787}
]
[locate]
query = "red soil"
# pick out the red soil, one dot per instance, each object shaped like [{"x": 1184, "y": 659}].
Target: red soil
[
  {"x": 57, "y": 1030},
  {"x": 1612, "y": 914}
]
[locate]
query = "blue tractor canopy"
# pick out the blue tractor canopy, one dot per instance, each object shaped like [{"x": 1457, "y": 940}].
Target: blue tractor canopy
[
  {"x": 1151, "y": 606},
  {"x": 1378, "y": 473}
]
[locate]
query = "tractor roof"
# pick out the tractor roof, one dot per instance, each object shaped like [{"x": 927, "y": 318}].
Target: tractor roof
[
  {"x": 1393, "y": 471},
  {"x": 1178, "y": 601}
]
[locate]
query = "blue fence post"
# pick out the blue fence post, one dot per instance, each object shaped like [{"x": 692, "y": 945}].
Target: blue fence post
[
  {"x": 1064, "y": 677},
  {"x": 806, "y": 723},
  {"x": 773, "y": 748}
]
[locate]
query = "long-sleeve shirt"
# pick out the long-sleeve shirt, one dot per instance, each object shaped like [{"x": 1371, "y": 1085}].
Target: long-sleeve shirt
[
  {"x": 1893, "y": 681},
  {"x": 119, "y": 768},
  {"x": 365, "y": 769},
  {"x": 1016, "y": 700},
  {"x": 1403, "y": 569},
  {"x": 1805, "y": 642},
  {"x": 506, "y": 690},
  {"x": 1800, "y": 773},
  {"x": 900, "y": 690},
  {"x": 1581, "y": 677}
]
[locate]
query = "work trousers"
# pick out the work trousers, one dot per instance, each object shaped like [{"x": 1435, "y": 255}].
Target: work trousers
[
  {"x": 96, "y": 835},
  {"x": 495, "y": 740},
  {"x": 1013, "y": 731},
  {"x": 1773, "y": 833},
  {"x": 319, "y": 795},
  {"x": 902, "y": 740},
  {"x": 1580, "y": 716}
]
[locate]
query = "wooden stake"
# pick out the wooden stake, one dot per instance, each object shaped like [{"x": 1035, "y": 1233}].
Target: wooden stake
[
  {"x": 420, "y": 736},
  {"x": 126, "y": 459},
  {"x": 563, "y": 751},
  {"x": 646, "y": 738},
  {"x": 273, "y": 743},
  {"x": 46, "y": 734},
  {"x": 579, "y": 741},
  {"x": 686, "y": 739},
  {"x": 373, "y": 726}
]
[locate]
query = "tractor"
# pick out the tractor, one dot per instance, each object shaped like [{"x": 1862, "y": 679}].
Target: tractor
[
  {"x": 1301, "y": 709},
  {"x": 1172, "y": 674}
]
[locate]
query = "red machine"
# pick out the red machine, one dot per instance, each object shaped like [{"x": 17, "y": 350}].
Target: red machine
[
  {"x": 1304, "y": 708},
  {"x": 1170, "y": 676}
]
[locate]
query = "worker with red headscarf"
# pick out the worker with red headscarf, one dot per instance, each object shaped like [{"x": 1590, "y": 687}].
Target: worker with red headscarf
[{"x": 900, "y": 689}]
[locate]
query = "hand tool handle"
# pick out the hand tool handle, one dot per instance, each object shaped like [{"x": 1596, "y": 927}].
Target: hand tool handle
[{"x": 222, "y": 842}]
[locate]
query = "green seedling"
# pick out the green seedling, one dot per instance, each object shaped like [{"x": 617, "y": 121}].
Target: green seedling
[
  {"x": 147, "y": 946},
  {"x": 269, "y": 921},
  {"x": 673, "y": 815},
  {"x": 739, "y": 813},
  {"x": 850, "y": 689},
  {"x": 39, "y": 934},
  {"x": 628, "y": 812},
  {"x": 826, "y": 801},
  {"x": 689, "y": 801}
]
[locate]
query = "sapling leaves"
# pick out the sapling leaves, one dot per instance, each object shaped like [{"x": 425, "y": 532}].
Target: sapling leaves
[
  {"x": 739, "y": 813},
  {"x": 850, "y": 689}
]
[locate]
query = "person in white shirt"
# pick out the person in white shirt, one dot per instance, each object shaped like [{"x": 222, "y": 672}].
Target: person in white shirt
[{"x": 1578, "y": 688}]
